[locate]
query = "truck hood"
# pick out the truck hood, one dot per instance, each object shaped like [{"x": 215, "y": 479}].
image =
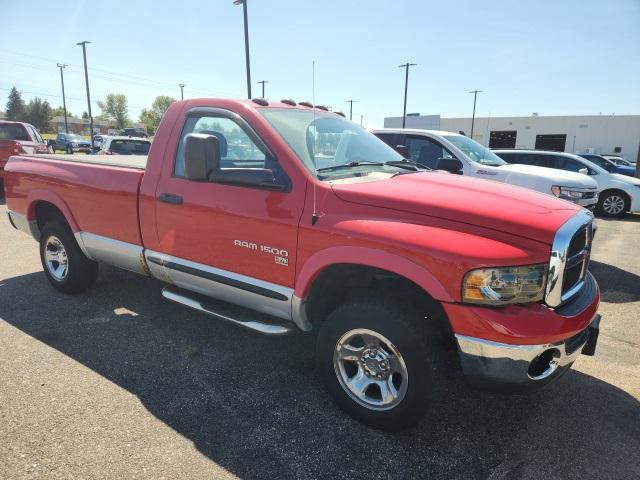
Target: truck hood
[
  {"x": 555, "y": 176},
  {"x": 494, "y": 205}
]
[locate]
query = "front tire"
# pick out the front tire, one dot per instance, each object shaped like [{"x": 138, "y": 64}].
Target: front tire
[
  {"x": 613, "y": 204},
  {"x": 375, "y": 362},
  {"x": 66, "y": 267},
  {"x": 69, "y": 150}
]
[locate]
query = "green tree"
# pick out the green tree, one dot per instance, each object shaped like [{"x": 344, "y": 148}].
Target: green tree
[
  {"x": 59, "y": 112},
  {"x": 15, "y": 108},
  {"x": 85, "y": 115},
  {"x": 115, "y": 108},
  {"x": 151, "y": 118},
  {"x": 38, "y": 114}
]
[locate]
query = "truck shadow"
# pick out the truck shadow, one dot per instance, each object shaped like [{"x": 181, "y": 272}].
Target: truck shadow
[
  {"x": 616, "y": 285},
  {"x": 254, "y": 404}
]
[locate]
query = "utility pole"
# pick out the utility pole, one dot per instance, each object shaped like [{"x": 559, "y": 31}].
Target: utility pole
[
  {"x": 350, "y": 102},
  {"x": 86, "y": 79},
  {"x": 473, "y": 116},
  {"x": 182, "y": 85},
  {"x": 406, "y": 85},
  {"x": 246, "y": 43},
  {"x": 263, "y": 82},
  {"x": 64, "y": 102},
  {"x": 361, "y": 119}
]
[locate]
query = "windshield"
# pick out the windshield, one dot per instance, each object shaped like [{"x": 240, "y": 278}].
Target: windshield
[
  {"x": 332, "y": 144},
  {"x": 129, "y": 147},
  {"x": 72, "y": 136},
  {"x": 475, "y": 151}
]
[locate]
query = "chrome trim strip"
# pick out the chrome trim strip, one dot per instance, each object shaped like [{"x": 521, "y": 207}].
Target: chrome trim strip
[
  {"x": 264, "y": 328},
  {"x": 558, "y": 258},
  {"x": 20, "y": 222},
  {"x": 162, "y": 266},
  {"x": 114, "y": 252}
]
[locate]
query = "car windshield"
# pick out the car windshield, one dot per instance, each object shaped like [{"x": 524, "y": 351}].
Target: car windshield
[
  {"x": 600, "y": 161},
  {"x": 475, "y": 151},
  {"x": 329, "y": 145},
  {"x": 129, "y": 147},
  {"x": 73, "y": 136}
]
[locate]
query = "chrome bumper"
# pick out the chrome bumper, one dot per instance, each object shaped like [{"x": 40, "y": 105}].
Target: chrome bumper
[{"x": 523, "y": 364}]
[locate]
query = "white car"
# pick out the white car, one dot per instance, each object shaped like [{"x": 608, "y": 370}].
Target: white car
[
  {"x": 619, "y": 160},
  {"x": 458, "y": 153},
  {"x": 619, "y": 194}
]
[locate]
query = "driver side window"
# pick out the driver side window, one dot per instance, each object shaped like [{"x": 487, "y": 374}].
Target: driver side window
[
  {"x": 426, "y": 151},
  {"x": 237, "y": 150}
]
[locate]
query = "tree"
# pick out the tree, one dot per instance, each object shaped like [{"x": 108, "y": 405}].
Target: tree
[
  {"x": 115, "y": 108},
  {"x": 85, "y": 115},
  {"x": 151, "y": 118},
  {"x": 59, "y": 112},
  {"x": 38, "y": 114},
  {"x": 15, "y": 106}
]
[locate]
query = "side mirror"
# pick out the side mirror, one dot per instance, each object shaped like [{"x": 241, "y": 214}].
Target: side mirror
[
  {"x": 402, "y": 150},
  {"x": 201, "y": 156},
  {"x": 452, "y": 165},
  {"x": 584, "y": 171}
]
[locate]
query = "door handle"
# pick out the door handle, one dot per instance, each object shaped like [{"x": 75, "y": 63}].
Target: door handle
[{"x": 170, "y": 198}]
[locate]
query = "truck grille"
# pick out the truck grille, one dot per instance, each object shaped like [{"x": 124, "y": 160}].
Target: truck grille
[
  {"x": 569, "y": 260},
  {"x": 577, "y": 259}
]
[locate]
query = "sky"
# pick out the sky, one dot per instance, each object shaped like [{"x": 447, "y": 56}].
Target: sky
[{"x": 560, "y": 57}]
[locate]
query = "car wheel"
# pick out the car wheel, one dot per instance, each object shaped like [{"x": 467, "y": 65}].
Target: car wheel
[
  {"x": 69, "y": 150},
  {"x": 613, "y": 204},
  {"x": 375, "y": 362},
  {"x": 66, "y": 267}
]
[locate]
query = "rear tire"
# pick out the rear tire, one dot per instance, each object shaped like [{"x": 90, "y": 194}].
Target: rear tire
[
  {"x": 66, "y": 267},
  {"x": 375, "y": 362},
  {"x": 613, "y": 204}
]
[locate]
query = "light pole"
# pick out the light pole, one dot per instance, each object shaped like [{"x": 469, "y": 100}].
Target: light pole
[
  {"x": 181, "y": 85},
  {"x": 361, "y": 119},
  {"x": 406, "y": 85},
  {"x": 350, "y": 102},
  {"x": 64, "y": 102},
  {"x": 86, "y": 79},
  {"x": 246, "y": 43},
  {"x": 263, "y": 82},
  {"x": 473, "y": 116}
]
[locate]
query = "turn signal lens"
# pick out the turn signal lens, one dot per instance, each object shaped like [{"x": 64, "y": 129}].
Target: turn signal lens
[{"x": 505, "y": 285}]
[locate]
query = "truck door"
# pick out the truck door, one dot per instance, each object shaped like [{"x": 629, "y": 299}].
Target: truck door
[{"x": 235, "y": 235}]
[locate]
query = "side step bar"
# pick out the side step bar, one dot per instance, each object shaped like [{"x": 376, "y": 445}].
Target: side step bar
[{"x": 231, "y": 313}]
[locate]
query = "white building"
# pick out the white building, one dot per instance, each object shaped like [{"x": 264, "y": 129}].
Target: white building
[{"x": 603, "y": 134}]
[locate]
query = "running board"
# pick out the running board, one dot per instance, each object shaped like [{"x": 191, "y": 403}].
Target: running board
[{"x": 226, "y": 311}]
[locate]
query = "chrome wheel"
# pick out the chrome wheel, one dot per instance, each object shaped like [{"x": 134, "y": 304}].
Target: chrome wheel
[
  {"x": 55, "y": 257},
  {"x": 370, "y": 369},
  {"x": 613, "y": 205}
]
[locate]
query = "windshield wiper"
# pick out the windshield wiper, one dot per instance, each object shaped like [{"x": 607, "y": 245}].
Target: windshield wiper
[
  {"x": 348, "y": 165},
  {"x": 407, "y": 164}
]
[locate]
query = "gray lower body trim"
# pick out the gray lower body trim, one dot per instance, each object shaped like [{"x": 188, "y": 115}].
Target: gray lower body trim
[
  {"x": 222, "y": 284},
  {"x": 114, "y": 252},
  {"x": 299, "y": 313},
  {"x": 21, "y": 223}
]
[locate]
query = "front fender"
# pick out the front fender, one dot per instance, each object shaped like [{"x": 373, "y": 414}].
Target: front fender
[{"x": 372, "y": 258}]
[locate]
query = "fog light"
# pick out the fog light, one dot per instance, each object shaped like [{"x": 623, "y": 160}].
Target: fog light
[{"x": 544, "y": 364}]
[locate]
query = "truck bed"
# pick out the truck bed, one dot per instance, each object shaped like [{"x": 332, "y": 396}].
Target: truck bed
[{"x": 139, "y": 162}]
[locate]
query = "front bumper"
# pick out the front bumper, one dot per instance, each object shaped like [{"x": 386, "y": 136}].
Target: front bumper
[
  {"x": 525, "y": 346},
  {"x": 587, "y": 202},
  {"x": 524, "y": 365}
]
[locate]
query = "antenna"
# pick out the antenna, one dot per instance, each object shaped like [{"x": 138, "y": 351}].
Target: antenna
[{"x": 314, "y": 215}]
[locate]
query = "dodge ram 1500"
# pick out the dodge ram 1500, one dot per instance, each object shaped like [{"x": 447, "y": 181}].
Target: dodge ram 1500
[{"x": 279, "y": 216}]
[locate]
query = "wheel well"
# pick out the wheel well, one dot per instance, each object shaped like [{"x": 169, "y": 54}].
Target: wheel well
[
  {"x": 339, "y": 283},
  {"x": 622, "y": 193},
  {"x": 46, "y": 211}
]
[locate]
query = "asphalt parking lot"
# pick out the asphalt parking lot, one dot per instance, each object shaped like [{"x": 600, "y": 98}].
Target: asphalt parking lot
[{"x": 118, "y": 383}]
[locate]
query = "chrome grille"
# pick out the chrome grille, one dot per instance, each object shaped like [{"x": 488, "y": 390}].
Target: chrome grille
[{"x": 569, "y": 260}]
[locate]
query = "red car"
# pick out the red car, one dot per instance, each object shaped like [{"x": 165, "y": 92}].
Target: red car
[
  {"x": 17, "y": 138},
  {"x": 279, "y": 217}
]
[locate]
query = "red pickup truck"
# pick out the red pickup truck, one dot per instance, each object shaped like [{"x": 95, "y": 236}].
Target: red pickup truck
[
  {"x": 16, "y": 138},
  {"x": 279, "y": 216}
]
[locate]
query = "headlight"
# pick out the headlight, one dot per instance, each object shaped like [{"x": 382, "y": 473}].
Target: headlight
[
  {"x": 505, "y": 285},
  {"x": 563, "y": 192}
]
